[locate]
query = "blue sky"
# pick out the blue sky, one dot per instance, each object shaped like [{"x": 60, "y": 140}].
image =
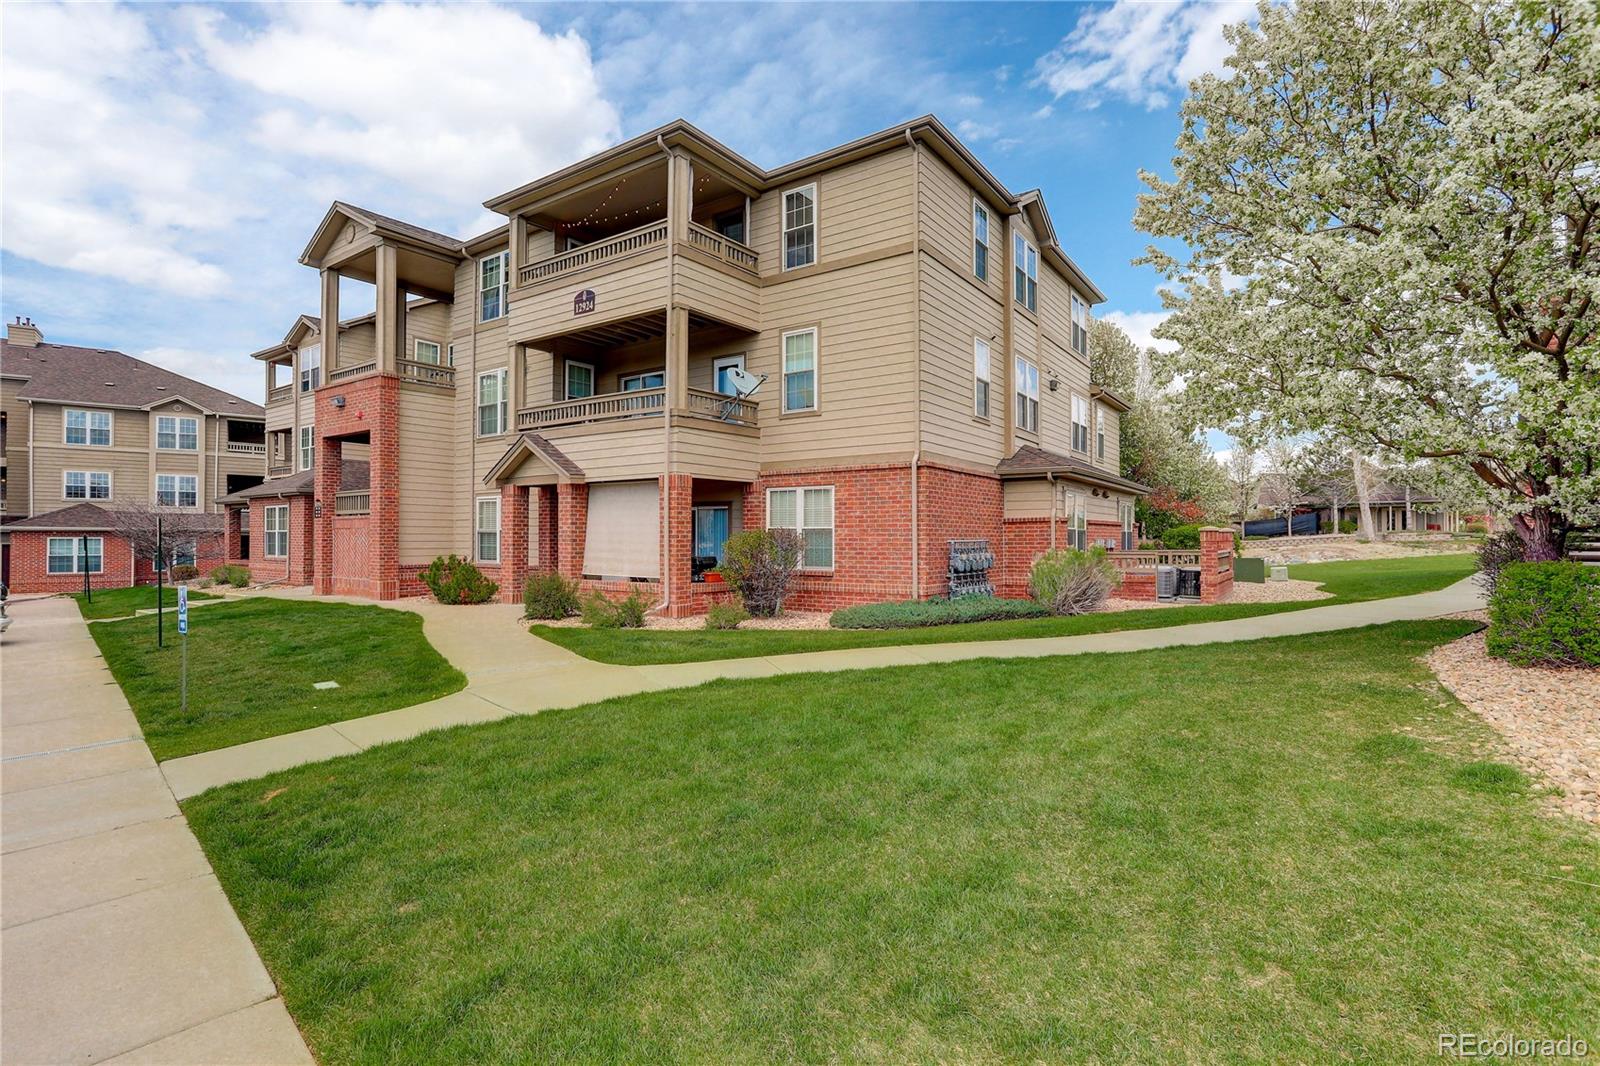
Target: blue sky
[{"x": 165, "y": 164}]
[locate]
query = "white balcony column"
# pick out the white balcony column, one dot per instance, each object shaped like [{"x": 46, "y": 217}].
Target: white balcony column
[
  {"x": 330, "y": 329},
  {"x": 519, "y": 246},
  {"x": 514, "y": 381},
  {"x": 390, "y": 307},
  {"x": 680, "y": 201}
]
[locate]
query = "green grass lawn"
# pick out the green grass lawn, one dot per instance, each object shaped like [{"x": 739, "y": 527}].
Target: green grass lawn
[
  {"x": 1348, "y": 581},
  {"x": 252, "y": 664},
  {"x": 1274, "y": 851},
  {"x": 120, "y": 603}
]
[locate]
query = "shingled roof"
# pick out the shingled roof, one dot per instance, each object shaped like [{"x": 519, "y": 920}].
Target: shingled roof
[
  {"x": 1029, "y": 461},
  {"x": 88, "y": 518},
  {"x": 62, "y": 373}
]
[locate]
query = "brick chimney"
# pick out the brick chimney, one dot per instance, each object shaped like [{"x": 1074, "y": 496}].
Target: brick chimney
[{"x": 24, "y": 333}]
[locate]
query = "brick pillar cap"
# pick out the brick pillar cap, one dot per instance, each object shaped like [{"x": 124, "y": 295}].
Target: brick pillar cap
[{"x": 1216, "y": 529}]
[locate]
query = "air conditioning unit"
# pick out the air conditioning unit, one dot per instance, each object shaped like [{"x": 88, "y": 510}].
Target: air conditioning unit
[{"x": 1166, "y": 582}]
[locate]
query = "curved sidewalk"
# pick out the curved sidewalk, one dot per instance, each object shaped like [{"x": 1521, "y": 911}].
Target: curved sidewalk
[{"x": 509, "y": 672}]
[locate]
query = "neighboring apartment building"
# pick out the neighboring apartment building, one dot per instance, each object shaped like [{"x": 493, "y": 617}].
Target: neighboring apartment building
[
  {"x": 88, "y": 429},
  {"x": 563, "y": 393}
]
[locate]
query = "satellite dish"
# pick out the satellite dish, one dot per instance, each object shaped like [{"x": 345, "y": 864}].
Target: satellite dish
[{"x": 744, "y": 383}]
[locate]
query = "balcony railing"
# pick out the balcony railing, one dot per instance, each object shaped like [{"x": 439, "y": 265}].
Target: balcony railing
[
  {"x": 236, "y": 447},
  {"x": 724, "y": 248},
  {"x": 443, "y": 377},
  {"x": 344, "y": 373},
  {"x": 602, "y": 408},
  {"x": 634, "y": 240},
  {"x": 1132, "y": 562},
  {"x": 352, "y": 502},
  {"x": 280, "y": 392},
  {"x": 280, "y": 469},
  {"x": 740, "y": 412}
]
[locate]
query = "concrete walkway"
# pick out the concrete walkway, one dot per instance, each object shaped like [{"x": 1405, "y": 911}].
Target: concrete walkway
[
  {"x": 509, "y": 672},
  {"x": 117, "y": 944}
]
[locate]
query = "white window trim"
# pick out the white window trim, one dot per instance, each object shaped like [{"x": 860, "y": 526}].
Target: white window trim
[
  {"x": 566, "y": 379},
  {"x": 177, "y": 491},
  {"x": 622, "y": 382},
  {"x": 88, "y": 428},
  {"x": 478, "y": 405},
  {"x": 77, "y": 556},
  {"x": 416, "y": 351},
  {"x": 267, "y": 531},
  {"x": 177, "y": 433},
  {"x": 721, "y": 363},
  {"x": 987, "y": 242},
  {"x": 1099, "y": 431},
  {"x": 505, "y": 285},
  {"x": 478, "y": 530},
  {"x": 784, "y": 231},
  {"x": 800, "y": 517},
  {"x": 1022, "y": 391},
  {"x": 987, "y": 377},
  {"x": 1029, "y": 251},
  {"x": 308, "y": 377},
  {"x": 783, "y": 371},
  {"x": 305, "y": 448},
  {"x": 88, "y": 485},
  {"x": 1079, "y": 403}
]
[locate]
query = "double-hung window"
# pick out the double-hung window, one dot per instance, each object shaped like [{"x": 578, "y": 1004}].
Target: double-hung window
[
  {"x": 980, "y": 377},
  {"x": 1026, "y": 273},
  {"x": 183, "y": 554},
  {"x": 177, "y": 490},
  {"x": 800, "y": 371},
  {"x": 308, "y": 447},
  {"x": 580, "y": 379},
  {"x": 1080, "y": 326},
  {"x": 980, "y": 241},
  {"x": 1099, "y": 431},
  {"x": 87, "y": 485},
  {"x": 1080, "y": 423},
  {"x": 488, "y": 528},
  {"x": 491, "y": 403},
  {"x": 1077, "y": 523},
  {"x": 1027, "y": 396},
  {"x": 1126, "y": 511},
  {"x": 493, "y": 286},
  {"x": 89, "y": 427},
  {"x": 310, "y": 367},
  {"x": 177, "y": 434},
  {"x": 75, "y": 555},
  {"x": 809, "y": 512},
  {"x": 277, "y": 530},
  {"x": 426, "y": 351},
  {"x": 800, "y": 227}
]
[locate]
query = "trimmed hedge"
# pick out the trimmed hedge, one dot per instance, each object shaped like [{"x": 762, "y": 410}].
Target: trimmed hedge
[
  {"x": 1546, "y": 614},
  {"x": 913, "y": 614},
  {"x": 453, "y": 579}
]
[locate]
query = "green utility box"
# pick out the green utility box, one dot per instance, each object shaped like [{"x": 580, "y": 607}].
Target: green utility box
[{"x": 1250, "y": 569}]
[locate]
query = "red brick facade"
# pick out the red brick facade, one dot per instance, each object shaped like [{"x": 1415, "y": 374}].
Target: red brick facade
[
  {"x": 359, "y": 555},
  {"x": 119, "y": 569},
  {"x": 294, "y": 568}
]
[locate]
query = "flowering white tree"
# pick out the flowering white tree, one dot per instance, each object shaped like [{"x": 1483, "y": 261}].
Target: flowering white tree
[{"x": 1391, "y": 216}]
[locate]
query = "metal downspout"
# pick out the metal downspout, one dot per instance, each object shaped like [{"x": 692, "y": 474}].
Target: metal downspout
[{"x": 916, "y": 367}]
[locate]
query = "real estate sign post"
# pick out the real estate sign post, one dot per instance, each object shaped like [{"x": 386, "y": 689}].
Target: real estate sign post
[{"x": 183, "y": 631}]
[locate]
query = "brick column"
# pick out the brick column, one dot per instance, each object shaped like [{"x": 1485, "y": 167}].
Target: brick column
[
  {"x": 513, "y": 542},
  {"x": 549, "y": 531},
  {"x": 1216, "y": 563},
  {"x": 677, "y": 542},
  {"x": 329, "y": 456},
  {"x": 231, "y": 537},
  {"x": 297, "y": 568},
  {"x": 572, "y": 517}
]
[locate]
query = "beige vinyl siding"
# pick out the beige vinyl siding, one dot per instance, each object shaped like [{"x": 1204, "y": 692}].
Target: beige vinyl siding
[
  {"x": 1055, "y": 408},
  {"x": 1030, "y": 498},
  {"x": 280, "y": 415},
  {"x": 426, "y": 473},
  {"x": 630, "y": 287},
  {"x": 429, "y": 322},
  {"x": 861, "y": 207},
  {"x": 479, "y": 347},
  {"x": 954, "y": 313},
  {"x": 17, "y": 419},
  {"x": 358, "y": 345},
  {"x": 708, "y": 449},
  {"x": 1112, "y": 463},
  {"x": 610, "y": 451},
  {"x": 718, "y": 292},
  {"x": 127, "y": 460},
  {"x": 947, "y": 225},
  {"x": 866, "y": 321}
]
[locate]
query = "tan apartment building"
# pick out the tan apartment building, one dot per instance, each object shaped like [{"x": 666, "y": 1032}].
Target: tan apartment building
[
  {"x": 879, "y": 346},
  {"x": 89, "y": 430}
]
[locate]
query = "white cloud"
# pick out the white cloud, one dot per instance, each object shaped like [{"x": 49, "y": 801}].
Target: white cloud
[
  {"x": 385, "y": 88},
  {"x": 107, "y": 166},
  {"x": 1141, "y": 51},
  {"x": 1139, "y": 326},
  {"x": 228, "y": 371}
]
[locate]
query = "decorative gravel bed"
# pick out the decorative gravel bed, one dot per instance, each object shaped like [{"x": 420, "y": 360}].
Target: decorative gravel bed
[
  {"x": 1549, "y": 717},
  {"x": 787, "y": 620}
]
